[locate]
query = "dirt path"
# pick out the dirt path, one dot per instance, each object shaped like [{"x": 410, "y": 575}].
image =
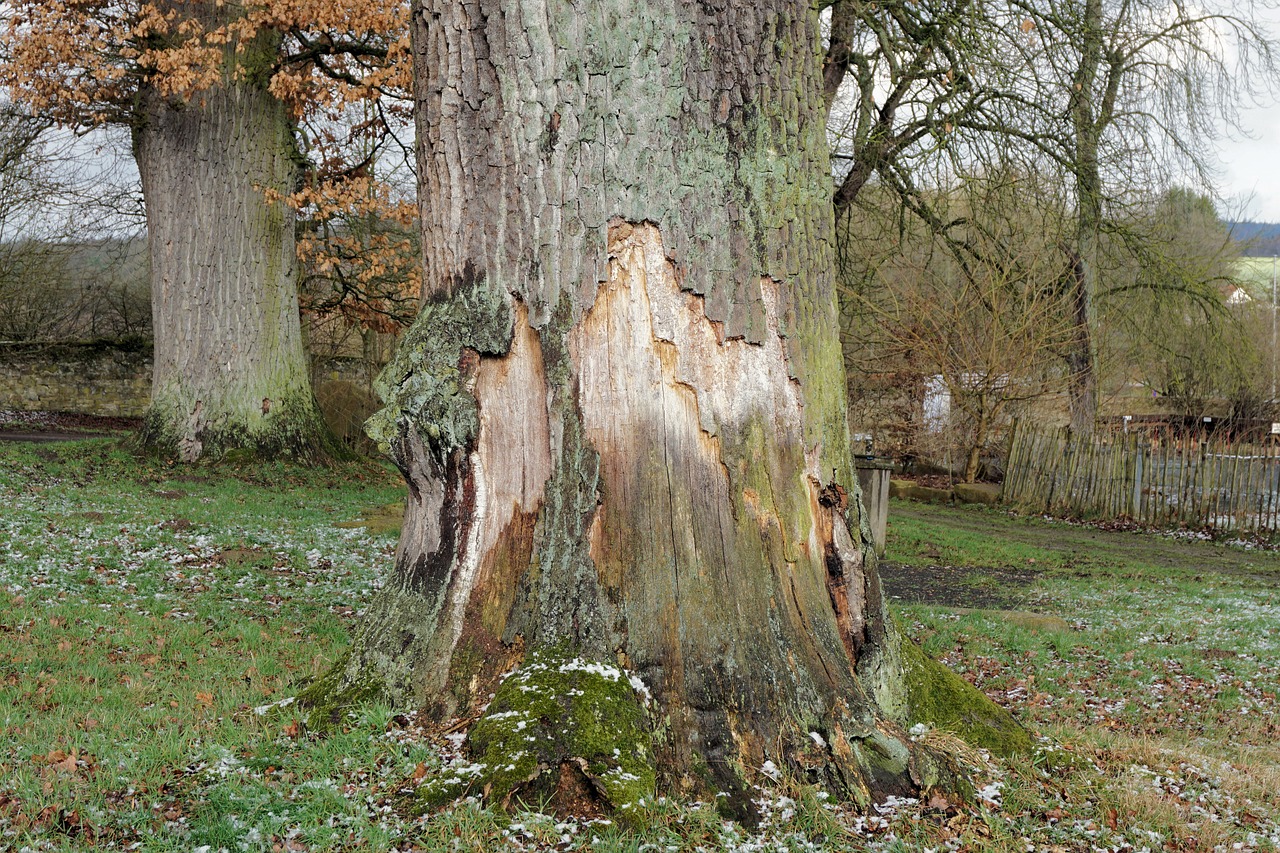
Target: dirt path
[
  {"x": 46, "y": 427},
  {"x": 43, "y": 437},
  {"x": 1006, "y": 587}
]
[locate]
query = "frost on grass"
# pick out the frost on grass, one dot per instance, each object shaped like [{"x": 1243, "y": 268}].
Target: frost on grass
[{"x": 556, "y": 714}]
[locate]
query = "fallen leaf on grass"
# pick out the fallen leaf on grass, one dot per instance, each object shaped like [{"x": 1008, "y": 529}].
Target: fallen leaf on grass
[
  {"x": 204, "y": 698},
  {"x": 58, "y": 759},
  {"x": 937, "y": 801}
]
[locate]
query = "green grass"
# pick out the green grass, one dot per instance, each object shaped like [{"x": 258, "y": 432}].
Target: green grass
[
  {"x": 146, "y": 613},
  {"x": 1163, "y": 665},
  {"x": 155, "y": 621}
]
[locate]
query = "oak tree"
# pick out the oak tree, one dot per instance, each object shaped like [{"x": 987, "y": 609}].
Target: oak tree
[
  {"x": 621, "y": 416},
  {"x": 212, "y": 93}
]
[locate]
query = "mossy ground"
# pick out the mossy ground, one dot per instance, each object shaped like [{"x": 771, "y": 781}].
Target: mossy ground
[
  {"x": 938, "y": 698},
  {"x": 328, "y": 698}
]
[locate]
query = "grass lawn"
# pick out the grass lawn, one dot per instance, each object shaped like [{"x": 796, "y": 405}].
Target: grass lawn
[{"x": 155, "y": 621}]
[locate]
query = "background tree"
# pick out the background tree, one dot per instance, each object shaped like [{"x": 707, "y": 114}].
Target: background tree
[
  {"x": 211, "y": 92},
  {"x": 26, "y": 186},
  {"x": 66, "y": 266},
  {"x": 899, "y": 79},
  {"x": 1185, "y": 325},
  {"x": 621, "y": 415},
  {"x": 990, "y": 323},
  {"x": 359, "y": 243},
  {"x": 1121, "y": 95},
  {"x": 1116, "y": 97}
]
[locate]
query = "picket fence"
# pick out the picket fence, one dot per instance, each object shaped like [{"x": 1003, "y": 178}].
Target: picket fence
[{"x": 1161, "y": 478}]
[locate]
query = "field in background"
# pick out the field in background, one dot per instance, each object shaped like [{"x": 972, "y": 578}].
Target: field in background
[{"x": 154, "y": 623}]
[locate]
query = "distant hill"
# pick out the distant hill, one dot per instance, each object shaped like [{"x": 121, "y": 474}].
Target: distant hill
[{"x": 1257, "y": 239}]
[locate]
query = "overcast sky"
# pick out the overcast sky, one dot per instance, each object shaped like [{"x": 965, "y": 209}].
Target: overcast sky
[
  {"x": 1251, "y": 168},
  {"x": 1249, "y": 181}
]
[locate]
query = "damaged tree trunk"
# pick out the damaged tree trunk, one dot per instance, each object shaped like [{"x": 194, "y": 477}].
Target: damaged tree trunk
[{"x": 621, "y": 415}]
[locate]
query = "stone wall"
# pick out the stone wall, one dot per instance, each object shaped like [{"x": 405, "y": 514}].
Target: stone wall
[
  {"x": 107, "y": 379},
  {"x": 88, "y": 379}
]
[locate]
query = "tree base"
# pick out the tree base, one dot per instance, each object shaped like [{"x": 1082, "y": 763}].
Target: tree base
[
  {"x": 914, "y": 689},
  {"x": 285, "y": 429},
  {"x": 576, "y": 737},
  {"x": 939, "y": 698}
]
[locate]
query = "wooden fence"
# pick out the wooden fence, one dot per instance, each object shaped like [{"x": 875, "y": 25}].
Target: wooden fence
[{"x": 1163, "y": 478}]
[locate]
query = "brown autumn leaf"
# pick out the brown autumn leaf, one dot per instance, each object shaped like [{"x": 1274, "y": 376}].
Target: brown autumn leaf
[
  {"x": 291, "y": 730},
  {"x": 59, "y": 760},
  {"x": 205, "y": 698}
]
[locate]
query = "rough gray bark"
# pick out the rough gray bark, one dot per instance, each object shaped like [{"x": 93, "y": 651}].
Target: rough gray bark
[
  {"x": 230, "y": 371},
  {"x": 621, "y": 411}
]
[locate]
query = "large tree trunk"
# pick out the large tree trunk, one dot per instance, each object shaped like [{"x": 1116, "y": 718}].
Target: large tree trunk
[
  {"x": 621, "y": 415},
  {"x": 230, "y": 371}
]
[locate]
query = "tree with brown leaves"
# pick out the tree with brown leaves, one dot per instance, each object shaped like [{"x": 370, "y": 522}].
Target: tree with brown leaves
[{"x": 213, "y": 93}]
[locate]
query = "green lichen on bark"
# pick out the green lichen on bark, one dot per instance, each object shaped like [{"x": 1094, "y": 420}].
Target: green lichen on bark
[
  {"x": 425, "y": 384},
  {"x": 556, "y": 711}
]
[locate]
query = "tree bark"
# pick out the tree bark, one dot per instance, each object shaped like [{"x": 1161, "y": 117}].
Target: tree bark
[
  {"x": 1089, "y": 111},
  {"x": 230, "y": 371},
  {"x": 621, "y": 412}
]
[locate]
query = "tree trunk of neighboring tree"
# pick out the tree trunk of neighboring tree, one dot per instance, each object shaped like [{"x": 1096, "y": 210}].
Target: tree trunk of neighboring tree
[
  {"x": 1081, "y": 374},
  {"x": 621, "y": 415},
  {"x": 973, "y": 460},
  {"x": 230, "y": 371},
  {"x": 1087, "y": 119}
]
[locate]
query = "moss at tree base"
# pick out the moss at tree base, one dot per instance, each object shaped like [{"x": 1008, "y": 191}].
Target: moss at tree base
[
  {"x": 562, "y": 733},
  {"x": 292, "y": 429},
  {"x": 939, "y": 698},
  {"x": 329, "y": 697}
]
